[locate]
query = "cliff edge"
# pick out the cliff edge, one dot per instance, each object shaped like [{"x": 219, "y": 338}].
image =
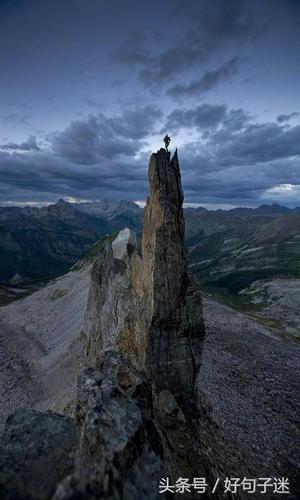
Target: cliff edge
[
  {"x": 173, "y": 306},
  {"x": 144, "y": 304}
]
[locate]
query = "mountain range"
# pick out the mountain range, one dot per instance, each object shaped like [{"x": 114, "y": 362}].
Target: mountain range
[
  {"x": 229, "y": 251},
  {"x": 41, "y": 243},
  {"x": 122, "y": 370}
]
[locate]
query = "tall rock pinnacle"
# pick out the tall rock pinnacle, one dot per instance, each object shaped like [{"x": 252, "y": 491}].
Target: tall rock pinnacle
[
  {"x": 164, "y": 253},
  {"x": 145, "y": 304},
  {"x": 172, "y": 304}
]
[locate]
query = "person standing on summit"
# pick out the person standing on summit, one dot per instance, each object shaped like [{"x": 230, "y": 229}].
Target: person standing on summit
[{"x": 167, "y": 141}]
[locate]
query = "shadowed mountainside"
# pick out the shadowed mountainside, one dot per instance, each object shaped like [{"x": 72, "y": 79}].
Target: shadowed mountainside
[
  {"x": 230, "y": 254},
  {"x": 38, "y": 244},
  {"x": 153, "y": 398},
  {"x": 42, "y": 348}
]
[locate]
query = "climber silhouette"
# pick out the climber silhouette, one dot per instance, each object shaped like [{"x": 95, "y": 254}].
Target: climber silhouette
[{"x": 167, "y": 141}]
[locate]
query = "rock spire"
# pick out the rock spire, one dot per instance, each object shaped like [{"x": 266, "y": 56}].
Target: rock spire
[
  {"x": 172, "y": 304},
  {"x": 142, "y": 302}
]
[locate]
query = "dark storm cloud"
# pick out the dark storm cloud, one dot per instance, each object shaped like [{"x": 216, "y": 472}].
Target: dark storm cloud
[
  {"x": 241, "y": 185},
  {"x": 82, "y": 142},
  {"x": 230, "y": 138},
  {"x": 101, "y": 137},
  {"x": 235, "y": 158},
  {"x": 203, "y": 117},
  {"x": 43, "y": 177},
  {"x": 286, "y": 118},
  {"x": 231, "y": 158},
  {"x": 134, "y": 123},
  {"x": 235, "y": 120},
  {"x": 29, "y": 145},
  {"x": 207, "y": 26},
  {"x": 92, "y": 157},
  {"x": 90, "y": 56},
  {"x": 209, "y": 80},
  {"x": 207, "y": 178},
  {"x": 256, "y": 143}
]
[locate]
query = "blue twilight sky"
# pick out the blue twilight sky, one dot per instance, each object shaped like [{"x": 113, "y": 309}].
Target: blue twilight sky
[{"x": 88, "y": 88}]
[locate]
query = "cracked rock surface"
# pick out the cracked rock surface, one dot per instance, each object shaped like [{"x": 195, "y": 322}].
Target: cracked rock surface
[{"x": 36, "y": 452}]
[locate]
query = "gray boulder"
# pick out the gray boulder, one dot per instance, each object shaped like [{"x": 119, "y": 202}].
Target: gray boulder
[
  {"x": 130, "y": 437},
  {"x": 124, "y": 244},
  {"x": 120, "y": 453},
  {"x": 36, "y": 452}
]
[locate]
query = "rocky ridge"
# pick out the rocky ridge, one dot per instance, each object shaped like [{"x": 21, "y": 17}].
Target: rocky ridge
[
  {"x": 140, "y": 305},
  {"x": 143, "y": 345},
  {"x": 173, "y": 310},
  {"x": 135, "y": 404},
  {"x": 130, "y": 437},
  {"x": 41, "y": 243},
  {"x": 36, "y": 452},
  {"x": 159, "y": 322}
]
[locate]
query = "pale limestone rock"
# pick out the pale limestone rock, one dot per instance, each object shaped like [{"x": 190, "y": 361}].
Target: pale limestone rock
[
  {"x": 124, "y": 244},
  {"x": 109, "y": 301}
]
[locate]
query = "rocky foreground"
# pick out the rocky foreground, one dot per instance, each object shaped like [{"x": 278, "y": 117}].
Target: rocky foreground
[
  {"x": 247, "y": 387},
  {"x": 112, "y": 387}
]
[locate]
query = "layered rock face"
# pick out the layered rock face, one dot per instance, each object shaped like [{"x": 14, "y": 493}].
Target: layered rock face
[
  {"x": 130, "y": 437},
  {"x": 36, "y": 452},
  {"x": 120, "y": 453},
  {"x": 109, "y": 301},
  {"x": 173, "y": 311},
  {"x": 144, "y": 304}
]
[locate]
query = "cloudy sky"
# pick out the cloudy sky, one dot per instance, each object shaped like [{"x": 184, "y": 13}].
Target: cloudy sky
[{"x": 88, "y": 89}]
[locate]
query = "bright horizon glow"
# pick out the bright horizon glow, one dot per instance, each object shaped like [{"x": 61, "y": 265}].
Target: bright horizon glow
[{"x": 141, "y": 203}]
